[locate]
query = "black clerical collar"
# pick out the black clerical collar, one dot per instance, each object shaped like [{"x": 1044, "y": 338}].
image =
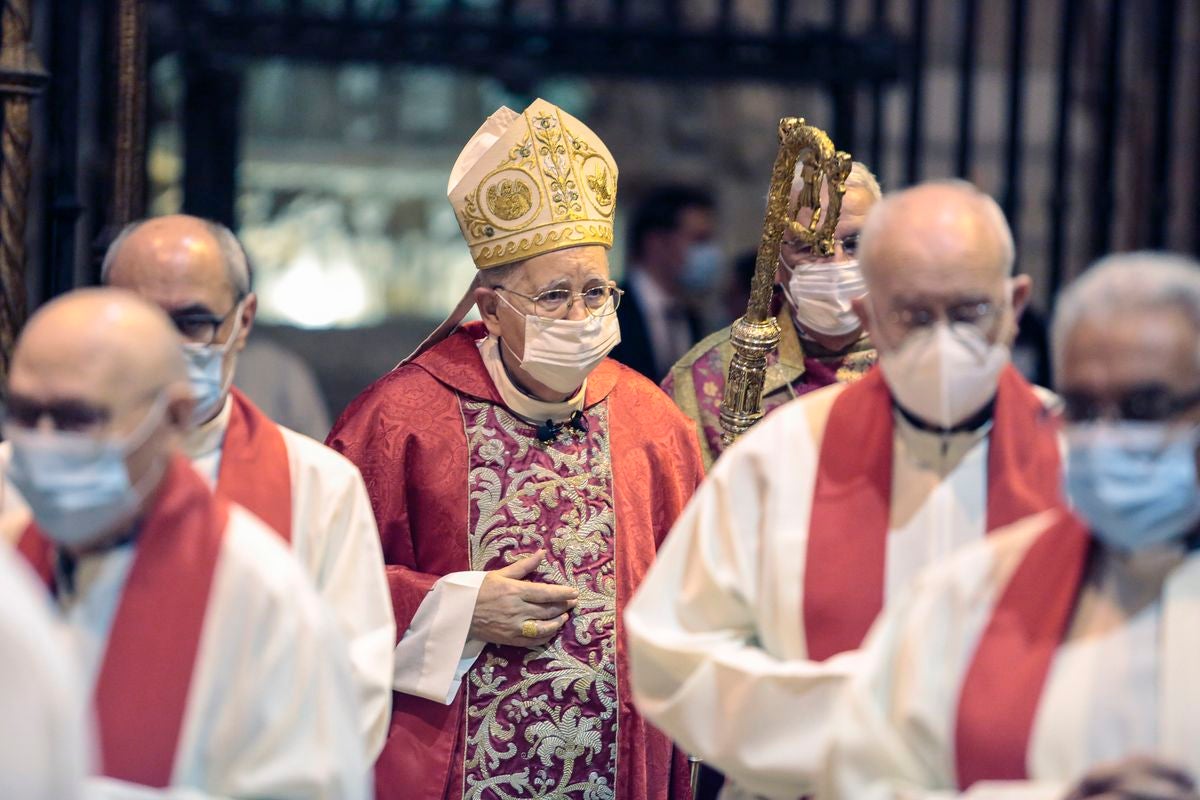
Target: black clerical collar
[
  {"x": 969, "y": 425},
  {"x": 67, "y": 564}
]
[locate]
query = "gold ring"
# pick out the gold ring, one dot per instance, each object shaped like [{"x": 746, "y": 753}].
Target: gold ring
[{"x": 529, "y": 629}]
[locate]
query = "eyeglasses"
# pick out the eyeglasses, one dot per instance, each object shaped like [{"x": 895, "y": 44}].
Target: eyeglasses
[
  {"x": 980, "y": 313},
  {"x": 801, "y": 253},
  {"x": 68, "y": 416},
  {"x": 201, "y": 328},
  {"x": 556, "y": 303},
  {"x": 1144, "y": 404}
]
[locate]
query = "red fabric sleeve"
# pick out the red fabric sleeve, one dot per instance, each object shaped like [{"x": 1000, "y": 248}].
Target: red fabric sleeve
[{"x": 405, "y": 434}]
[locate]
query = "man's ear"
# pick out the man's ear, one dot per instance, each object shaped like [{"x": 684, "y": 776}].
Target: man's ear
[
  {"x": 1022, "y": 290},
  {"x": 249, "y": 312},
  {"x": 180, "y": 403},
  {"x": 488, "y": 303},
  {"x": 859, "y": 304}
]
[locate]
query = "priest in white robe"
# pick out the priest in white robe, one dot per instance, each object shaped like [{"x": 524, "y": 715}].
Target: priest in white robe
[
  {"x": 744, "y": 630},
  {"x": 1028, "y": 665},
  {"x": 214, "y": 669},
  {"x": 311, "y": 496},
  {"x": 44, "y": 742}
]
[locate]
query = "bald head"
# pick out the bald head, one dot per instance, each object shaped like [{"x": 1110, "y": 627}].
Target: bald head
[
  {"x": 939, "y": 247},
  {"x": 104, "y": 364},
  {"x": 944, "y": 225},
  {"x": 101, "y": 345},
  {"x": 178, "y": 258},
  {"x": 196, "y": 272}
]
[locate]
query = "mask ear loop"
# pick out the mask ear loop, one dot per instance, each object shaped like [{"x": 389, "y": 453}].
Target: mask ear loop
[
  {"x": 520, "y": 361},
  {"x": 227, "y": 376}
]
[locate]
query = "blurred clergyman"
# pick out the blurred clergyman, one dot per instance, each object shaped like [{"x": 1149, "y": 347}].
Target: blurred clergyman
[
  {"x": 822, "y": 340},
  {"x": 196, "y": 271},
  {"x": 44, "y": 742},
  {"x": 673, "y": 261},
  {"x": 741, "y": 635},
  {"x": 213, "y": 666},
  {"x": 1058, "y": 659}
]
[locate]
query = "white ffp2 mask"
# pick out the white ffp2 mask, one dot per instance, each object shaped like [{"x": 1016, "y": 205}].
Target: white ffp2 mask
[{"x": 944, "y": 373}]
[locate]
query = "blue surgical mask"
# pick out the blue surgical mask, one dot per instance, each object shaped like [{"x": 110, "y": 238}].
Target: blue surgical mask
[
  {"x": 701, "y": 268},
  {"x": 207, "y": 374},
  {"x": 78, "y": 486},
  {"x": 1135, "y": 483}
]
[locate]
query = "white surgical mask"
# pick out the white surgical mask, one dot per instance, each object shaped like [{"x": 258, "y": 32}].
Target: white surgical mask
[
  {"x": 944, "y": 373},
  {"x": 207, "y": 375},
  {"x": 821, "y": 293},
  {"x": 561, "y": 353},
  {"x": 78, "y": 486}
]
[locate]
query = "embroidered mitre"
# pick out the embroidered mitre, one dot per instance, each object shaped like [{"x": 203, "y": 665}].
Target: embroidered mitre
[{"x": 531, "y": 183}]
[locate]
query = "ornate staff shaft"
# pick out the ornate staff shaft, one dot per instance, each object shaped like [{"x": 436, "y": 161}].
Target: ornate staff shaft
[
  {"x": 21, "y": 77},
  {"x": 756, "y": 334}
]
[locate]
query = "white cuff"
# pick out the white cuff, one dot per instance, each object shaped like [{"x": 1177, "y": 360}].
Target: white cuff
[{"x": 436, "y": 652}]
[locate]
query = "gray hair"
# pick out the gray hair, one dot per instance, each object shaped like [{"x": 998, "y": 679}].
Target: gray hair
[
  {"x": 233, "y": 255},
  {"x": 859, "y": 178},
  {"x": 499, "y": 276},
  {"x": 1139, "y": 281}
]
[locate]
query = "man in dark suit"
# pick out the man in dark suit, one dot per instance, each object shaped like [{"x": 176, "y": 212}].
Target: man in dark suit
[{"x": 672, "y": 259}]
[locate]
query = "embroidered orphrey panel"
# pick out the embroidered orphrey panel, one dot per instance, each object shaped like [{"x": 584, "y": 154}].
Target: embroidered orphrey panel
[{"x": 542, "y": 723}]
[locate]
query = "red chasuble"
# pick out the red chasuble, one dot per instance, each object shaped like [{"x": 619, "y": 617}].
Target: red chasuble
[
  {"x": 142, "y": 689},
  {"x": 847, "y": 538},
  {"x": 1003, "y": 685},
  {"x": 458, "y": 483},
  {"x": 254, "y": 471}
]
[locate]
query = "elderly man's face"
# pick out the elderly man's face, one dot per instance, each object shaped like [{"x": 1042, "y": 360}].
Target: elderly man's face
[
  {"x": 83, "y": 372},
  {"x": 935, "y": 262},
  {"x": 575, "y": 269},
  {"x": 176, "y": 263},
  {"x": 1139, "y": 364},
  {"x": 855, "y": 204}
]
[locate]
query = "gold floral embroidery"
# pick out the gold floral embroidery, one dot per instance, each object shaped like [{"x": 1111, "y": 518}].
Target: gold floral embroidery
[
  {"x": 542, "y": 723},
  {"x": 855, "y": 365}
]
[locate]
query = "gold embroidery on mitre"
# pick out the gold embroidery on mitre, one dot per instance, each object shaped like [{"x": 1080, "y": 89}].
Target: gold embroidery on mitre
[
  {"x": 553, "y": 187},
  {"x": 509, "y": 199}
]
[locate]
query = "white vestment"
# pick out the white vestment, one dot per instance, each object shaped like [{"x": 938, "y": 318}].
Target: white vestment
[
  {"x": 44, "y": 751},
  {"x": 716, "y": 632},
  {"x": 271, "y": 709},
  {"x": 336, "y": 541},
  {"x": 1122, "y": 683}
]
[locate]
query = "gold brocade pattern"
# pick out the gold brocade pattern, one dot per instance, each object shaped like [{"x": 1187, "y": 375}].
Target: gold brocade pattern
[
  {"x": 542, "y": 723},
  {"x": 855, "y": 365},
  {"x": 548, "y": 183}
]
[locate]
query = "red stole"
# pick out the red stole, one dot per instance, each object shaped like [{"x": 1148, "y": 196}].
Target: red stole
[
  {"x": 1004, "y": 683},
  {"x": 847, "y": 537},
  {"x": 255, "y": 472},
  {"x": 142, "y": 690}
]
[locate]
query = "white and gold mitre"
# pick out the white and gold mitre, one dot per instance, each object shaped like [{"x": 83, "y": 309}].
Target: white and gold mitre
[{"x": 532, "y": 183}]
